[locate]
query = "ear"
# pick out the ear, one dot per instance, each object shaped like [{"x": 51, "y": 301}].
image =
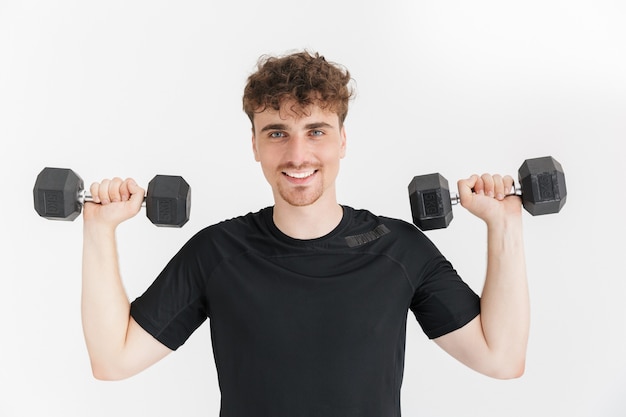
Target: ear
[
  {"x": 254, "y": 147},
  {"x": 343, "y": 142}
]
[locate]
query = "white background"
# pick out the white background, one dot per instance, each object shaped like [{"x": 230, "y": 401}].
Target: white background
[{"x": 136, "y": 88}]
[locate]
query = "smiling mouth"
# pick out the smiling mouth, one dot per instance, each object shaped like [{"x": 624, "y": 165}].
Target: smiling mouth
[{"x": 299, "y": 175}]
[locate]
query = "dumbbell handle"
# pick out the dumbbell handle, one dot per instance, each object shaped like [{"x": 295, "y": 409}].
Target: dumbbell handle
[
  {"x": 85, "y": 197},
  {"x": 456, "y": 199}
]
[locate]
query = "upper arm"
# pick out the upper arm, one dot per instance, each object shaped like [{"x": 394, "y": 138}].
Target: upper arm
[
  {"x": 469, "y": 346},
  {"x": 465, "y": 344},
  {"x": 141, "y": 350}
]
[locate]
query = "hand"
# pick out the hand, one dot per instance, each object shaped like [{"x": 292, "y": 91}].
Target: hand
[
  {"x": 486, "y": 197},
  {"x": 114, "y": 201}
]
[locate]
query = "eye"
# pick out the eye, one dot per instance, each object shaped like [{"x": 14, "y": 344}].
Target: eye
[
  {"x": 317, "y": 132},
  {"x": 276, "y": 135}
]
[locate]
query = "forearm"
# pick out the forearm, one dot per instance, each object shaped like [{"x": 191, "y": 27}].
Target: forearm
[
  {"x": 505, "y": 305},
  {"x": 105, "y": 306}
]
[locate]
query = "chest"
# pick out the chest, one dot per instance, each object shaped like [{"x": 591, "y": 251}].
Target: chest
[{"x": 310, "y": 297}]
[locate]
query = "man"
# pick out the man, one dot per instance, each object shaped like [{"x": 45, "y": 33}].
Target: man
[{"x": 307, "y": 299}]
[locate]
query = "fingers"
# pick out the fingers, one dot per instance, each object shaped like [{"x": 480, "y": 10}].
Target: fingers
[
  {"x": 497, "y": 185},
  {"x": 490, "y": 185},
  {"x": 509, "y": 184},
  {"x": 485, "y": 196},
  {"x": 493, "y": 186},
  {"x": 114, "y": 190}
]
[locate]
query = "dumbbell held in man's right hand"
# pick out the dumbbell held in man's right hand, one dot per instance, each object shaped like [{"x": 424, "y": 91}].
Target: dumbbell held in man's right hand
[
  {"x": 541, "y": 187},
  {"x": 59, "y": 194}
]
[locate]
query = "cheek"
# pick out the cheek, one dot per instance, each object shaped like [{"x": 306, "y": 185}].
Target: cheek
[
  {"x": 268, "y": 164},
  {"x": 334, "y": 155}
]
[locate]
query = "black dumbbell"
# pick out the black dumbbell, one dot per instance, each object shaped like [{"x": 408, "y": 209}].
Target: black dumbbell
[
  {"x": 541, "y": 187},
  {"x": 59, "y": 195}
]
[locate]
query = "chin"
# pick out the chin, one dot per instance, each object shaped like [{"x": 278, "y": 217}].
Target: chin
[{"x": 300, "y": 199}]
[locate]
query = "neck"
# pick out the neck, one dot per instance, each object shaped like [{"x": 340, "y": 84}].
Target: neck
[{"x": 307, "y": 222}]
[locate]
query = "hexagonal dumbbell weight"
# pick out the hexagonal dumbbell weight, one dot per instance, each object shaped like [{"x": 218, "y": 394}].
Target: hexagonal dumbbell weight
[
  {"x": 59, "y": 194},
  {"x": 542, "y": 189}
]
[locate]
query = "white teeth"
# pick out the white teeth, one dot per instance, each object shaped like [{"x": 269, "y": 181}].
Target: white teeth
[{"x": 300, "y": 174}]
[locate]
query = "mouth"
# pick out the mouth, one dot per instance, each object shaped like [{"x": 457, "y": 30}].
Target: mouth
[{"x": 299, "y": 177}]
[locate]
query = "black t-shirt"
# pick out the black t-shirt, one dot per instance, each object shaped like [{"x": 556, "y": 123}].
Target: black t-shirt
[{"x": 307, "y": 328}]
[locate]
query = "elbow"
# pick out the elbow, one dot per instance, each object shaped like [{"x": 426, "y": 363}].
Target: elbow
[
  {"x": 104, "y": 375},
  {"x": 510, "y": 374},
  {"x": 103, "y": 372},
  {"x": 513, "y": 369},
  {"x": 519, "y": 371}
]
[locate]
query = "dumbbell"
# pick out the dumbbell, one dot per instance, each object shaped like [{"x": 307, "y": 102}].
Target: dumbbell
[
  {"x": 59, "y": 194},
  {"x": 541, "y": 187}
]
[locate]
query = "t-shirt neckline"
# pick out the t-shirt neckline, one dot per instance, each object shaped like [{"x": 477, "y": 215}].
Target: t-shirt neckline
[{"x": 268, "y": 216}]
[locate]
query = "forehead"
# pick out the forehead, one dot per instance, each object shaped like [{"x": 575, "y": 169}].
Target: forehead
[{"x": 291, "y": 112}]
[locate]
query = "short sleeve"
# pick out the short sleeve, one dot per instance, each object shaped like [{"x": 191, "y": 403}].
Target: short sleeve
[
  {"x": 175, "y": 304},
  {"x": 443, "y": 302}
]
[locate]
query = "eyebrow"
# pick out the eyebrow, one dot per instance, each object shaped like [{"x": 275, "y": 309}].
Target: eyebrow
[
  {"x": 274, "y": 126},
  {"x": 281, "y": 126}
]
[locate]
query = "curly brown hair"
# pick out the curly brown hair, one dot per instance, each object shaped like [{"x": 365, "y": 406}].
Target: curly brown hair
[{"x": 302, "y": 76}]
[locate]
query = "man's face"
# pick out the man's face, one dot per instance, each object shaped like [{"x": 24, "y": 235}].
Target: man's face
[{"x": 299, "y": 153}]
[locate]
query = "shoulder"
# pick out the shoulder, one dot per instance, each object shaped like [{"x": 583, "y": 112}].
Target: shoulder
[
  {"x": 394, "y": 237},
  {"x": 230, "y": 236},
  {"x": 235, "y": 225},
  {"x": 365, "y": 219}
]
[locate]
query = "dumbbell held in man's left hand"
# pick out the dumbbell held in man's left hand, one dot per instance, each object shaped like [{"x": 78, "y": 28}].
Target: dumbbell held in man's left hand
[
  {"x": 59, "y": 194},
  {"x": 541, "y": 187}
]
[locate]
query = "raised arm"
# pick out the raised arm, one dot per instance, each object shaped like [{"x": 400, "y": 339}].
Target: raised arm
[
  {"x": 495, "y": 342},
  {"x": 118, "y": 347}
]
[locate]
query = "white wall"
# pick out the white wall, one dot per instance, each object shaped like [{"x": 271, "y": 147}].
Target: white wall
[{"x": 145, "y": 87}]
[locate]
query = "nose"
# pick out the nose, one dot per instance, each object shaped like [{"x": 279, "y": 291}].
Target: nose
[{"x": 297, "y": 150}]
